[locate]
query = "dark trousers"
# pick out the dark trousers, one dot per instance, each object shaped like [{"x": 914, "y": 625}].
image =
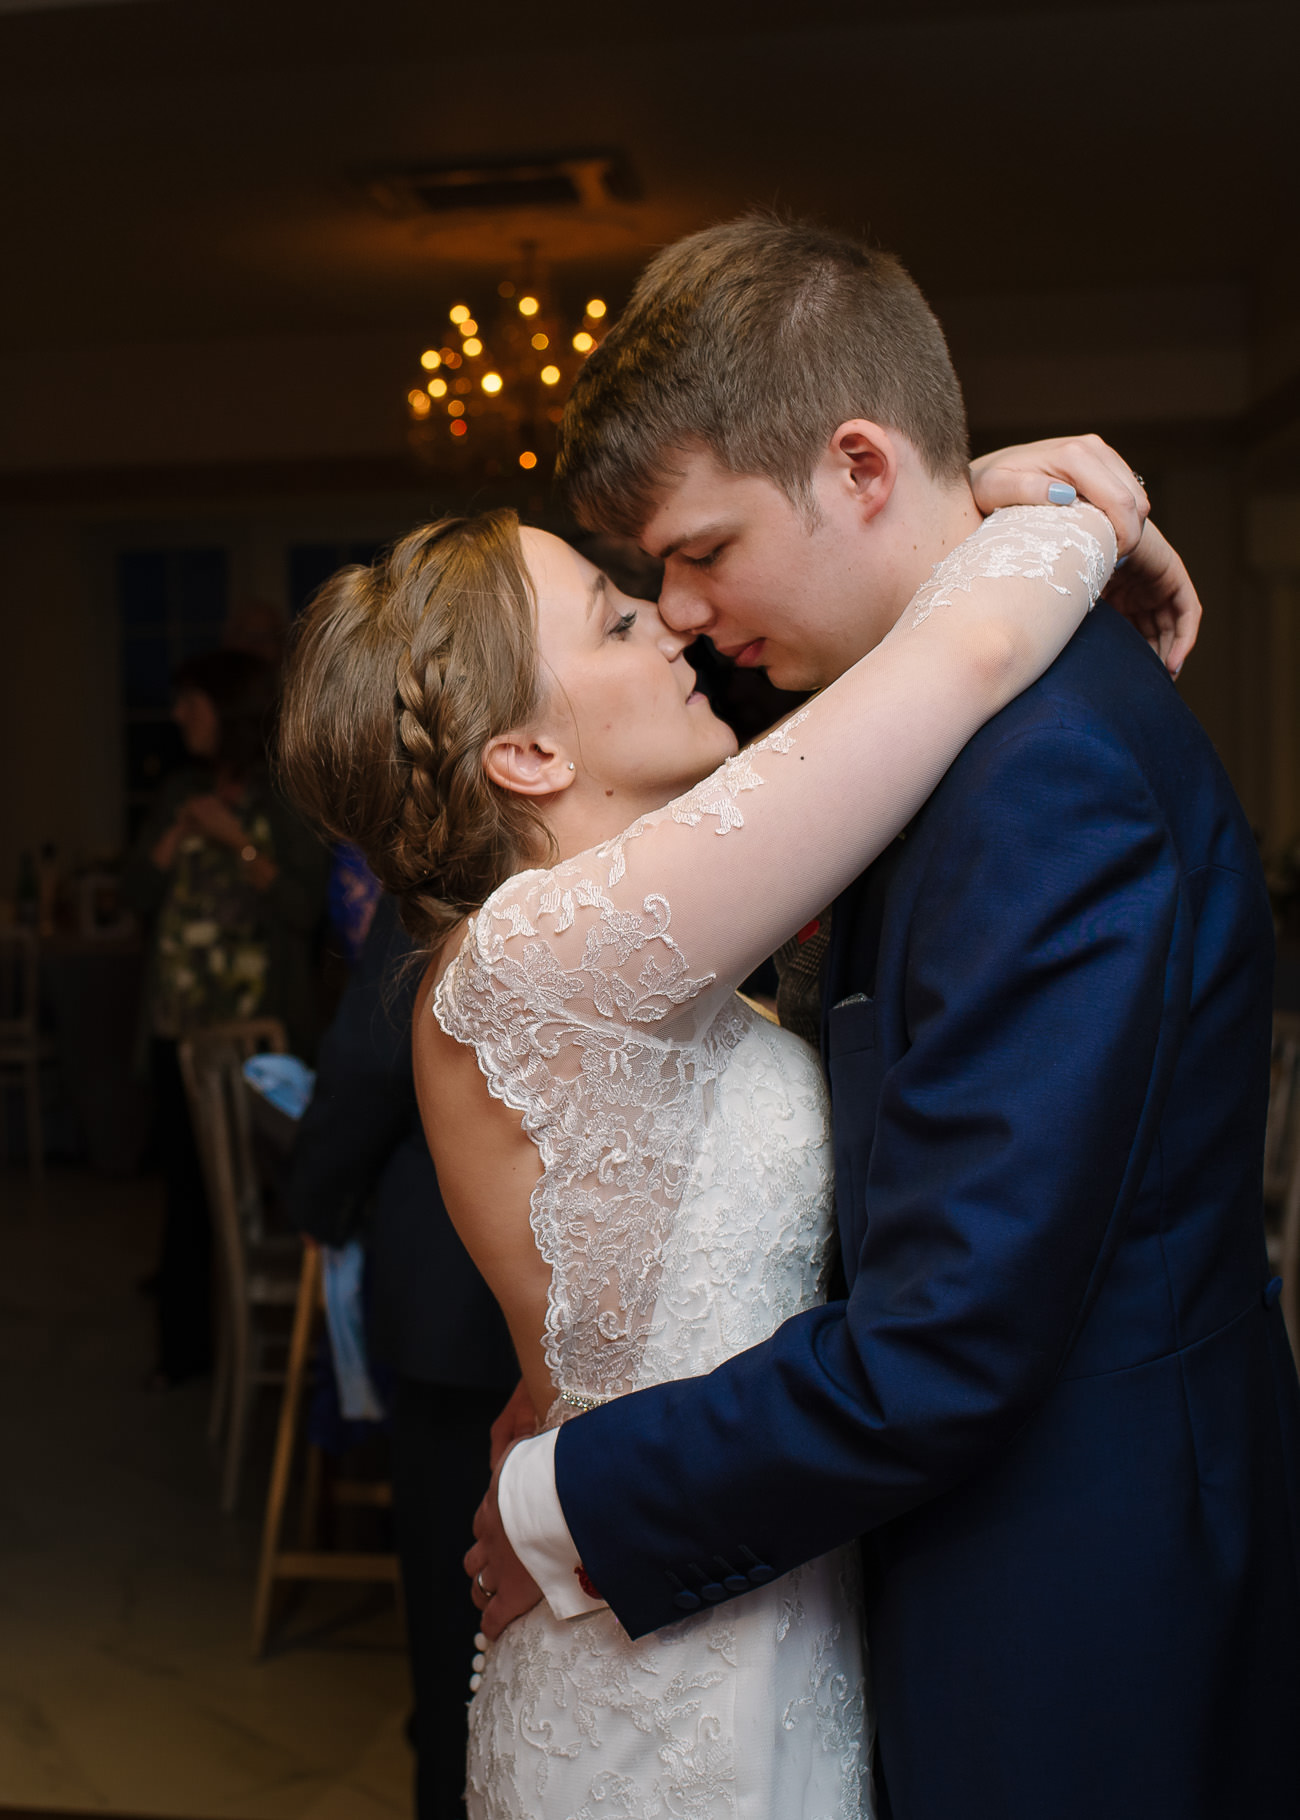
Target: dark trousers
[
  {"x": 185, "y": 1257},
  {"x": 440, "y": 1472}
]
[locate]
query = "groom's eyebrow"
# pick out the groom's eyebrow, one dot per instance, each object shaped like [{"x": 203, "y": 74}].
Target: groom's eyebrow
[{"x": 701, "y": 534}]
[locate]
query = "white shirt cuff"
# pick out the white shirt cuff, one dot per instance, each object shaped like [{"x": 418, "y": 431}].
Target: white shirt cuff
[{"x": 534, "y": 1521}]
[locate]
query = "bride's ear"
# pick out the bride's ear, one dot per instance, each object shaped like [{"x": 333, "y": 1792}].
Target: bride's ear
[{"x": 528, "y": 766}]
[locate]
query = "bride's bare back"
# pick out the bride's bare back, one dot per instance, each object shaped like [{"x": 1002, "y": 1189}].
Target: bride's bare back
[{"x": 487, "y": 1169}]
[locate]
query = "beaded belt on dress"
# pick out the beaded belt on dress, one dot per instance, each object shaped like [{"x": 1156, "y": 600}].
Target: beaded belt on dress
[{"x": 576, "y": 1400}]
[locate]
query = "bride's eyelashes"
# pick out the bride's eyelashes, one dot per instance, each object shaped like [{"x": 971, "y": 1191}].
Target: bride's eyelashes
[{"x": 623, "y": 625}]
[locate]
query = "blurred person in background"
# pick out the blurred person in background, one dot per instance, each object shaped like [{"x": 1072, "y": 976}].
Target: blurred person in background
[
  {"x": 231, "y": 884},
  {"x": 361, "y": 1166}
]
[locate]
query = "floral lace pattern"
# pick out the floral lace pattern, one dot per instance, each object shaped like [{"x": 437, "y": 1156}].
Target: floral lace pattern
[
  {"x": 617, "y": 1113},
  {"x": 756, "y": 1708},
  {"x": 685, "y": 1210},
  {"x": 1027, "y": 541}
]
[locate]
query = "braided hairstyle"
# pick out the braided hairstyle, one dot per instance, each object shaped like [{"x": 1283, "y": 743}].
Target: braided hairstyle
[{"x": 397, "y": 678}]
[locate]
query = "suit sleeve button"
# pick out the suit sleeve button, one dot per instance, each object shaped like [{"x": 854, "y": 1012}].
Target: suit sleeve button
[
  {"x": 760, "y": 1573},
  {"x": 714, "y": 1591},
  {"x": 736, "y": 1583},
  {"x": 686, "y": 1601}
]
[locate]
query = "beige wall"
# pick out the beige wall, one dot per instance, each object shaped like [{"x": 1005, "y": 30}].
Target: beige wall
[{"x": 59, "y": 727}]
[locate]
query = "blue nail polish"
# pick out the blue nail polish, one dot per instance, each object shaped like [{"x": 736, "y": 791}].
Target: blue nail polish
[{"x": 1061, "y": 493}]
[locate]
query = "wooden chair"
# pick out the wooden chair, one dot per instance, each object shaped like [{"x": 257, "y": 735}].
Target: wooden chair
[
  {"x": 22, "y": 1049},
  {"x": 255, "y": 1273},
  {"x": 1282, "y": 1166},
  {"x": 308, "y": 1562}
]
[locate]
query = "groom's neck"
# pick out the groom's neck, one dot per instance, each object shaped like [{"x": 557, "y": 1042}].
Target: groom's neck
[{"x": 932, "y": 520}]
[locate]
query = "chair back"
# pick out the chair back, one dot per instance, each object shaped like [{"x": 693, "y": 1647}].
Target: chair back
[
  {"x": 212, "y": 1066},
  {"x": 18, "y": 988}
]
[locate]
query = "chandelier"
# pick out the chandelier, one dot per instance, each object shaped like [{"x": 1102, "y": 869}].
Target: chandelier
[{"x": 492, "y": 389}]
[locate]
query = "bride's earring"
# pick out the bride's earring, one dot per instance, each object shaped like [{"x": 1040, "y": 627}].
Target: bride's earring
[{"x": 572, "y": 766}]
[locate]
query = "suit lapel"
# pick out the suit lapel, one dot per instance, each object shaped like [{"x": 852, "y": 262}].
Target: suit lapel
[
  {"x": 854, "y": 1065},
  {"x": 856, "y": 922}
]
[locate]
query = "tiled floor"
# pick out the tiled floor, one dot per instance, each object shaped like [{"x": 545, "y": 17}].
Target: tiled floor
[{"x": 126, "y": 1684}]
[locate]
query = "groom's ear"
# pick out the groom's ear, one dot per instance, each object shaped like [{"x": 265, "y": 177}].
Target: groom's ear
[{"x": 864, "y": 461}]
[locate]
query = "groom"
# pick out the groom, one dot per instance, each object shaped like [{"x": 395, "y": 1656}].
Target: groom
[{"x": 1056, "y": 1400}]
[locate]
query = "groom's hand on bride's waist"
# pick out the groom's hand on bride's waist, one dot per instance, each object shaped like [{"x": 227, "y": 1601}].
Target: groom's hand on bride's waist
[{"x": 500, "y": 1585}]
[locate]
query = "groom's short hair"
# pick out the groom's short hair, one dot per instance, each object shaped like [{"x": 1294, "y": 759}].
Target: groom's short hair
[{"x": 754, "y": 340}]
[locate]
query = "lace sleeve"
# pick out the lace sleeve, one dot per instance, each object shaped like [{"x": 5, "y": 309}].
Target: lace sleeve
[{"x": 653, "y": 928}]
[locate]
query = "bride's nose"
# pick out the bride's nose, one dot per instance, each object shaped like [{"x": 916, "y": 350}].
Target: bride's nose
[{"x": 670, "y": 642}]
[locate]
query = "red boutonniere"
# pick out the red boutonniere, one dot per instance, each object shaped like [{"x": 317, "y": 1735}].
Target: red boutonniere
[{"x": 584, "y": 1581}]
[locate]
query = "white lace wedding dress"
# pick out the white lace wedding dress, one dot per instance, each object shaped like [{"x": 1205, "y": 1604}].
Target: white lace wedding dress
[{"x": 684, "y": 1208}]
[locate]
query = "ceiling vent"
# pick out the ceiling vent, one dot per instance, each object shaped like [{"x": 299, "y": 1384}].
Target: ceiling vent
[{"x": 582, "y": 180}]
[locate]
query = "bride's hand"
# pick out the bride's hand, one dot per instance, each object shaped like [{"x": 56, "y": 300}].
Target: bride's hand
[
  {"x": 500, "y": 1585},
  {"x": 1155, "y": 592},
  {"x": 1152, "y": 588},
  {"x": 1020, "y": 476},
  {"x": 516, "y": 1422}
]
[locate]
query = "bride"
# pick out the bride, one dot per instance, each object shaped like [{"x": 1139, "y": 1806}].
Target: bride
[{"x": 636, "y": 1160}]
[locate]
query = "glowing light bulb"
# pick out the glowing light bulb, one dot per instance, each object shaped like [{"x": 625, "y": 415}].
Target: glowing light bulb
[
  {"x": 541, "y": 341},
  {"x": 458, "y": 313},
  {"x": 419, "y": 404},
  {"x": 584, "y": 342},
  {"x": 468, "y": 327},
  {"x": 473, "y": 346},
  {"x": 437, "y": 388},
  {"x": 491, "y": 382},
  {"x": 550, "y": 375},
  {"x": 456, "y": 408},
  {"x": 528, "y": 306},
  {"x": 596, "y": 308},
  {"x": 528, "y": 459},
  {"x": 430, "y": 359},
  {"x": 458, "y": 428}
]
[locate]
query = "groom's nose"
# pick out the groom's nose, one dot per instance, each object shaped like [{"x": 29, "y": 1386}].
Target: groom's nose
[{"x": 682, "y": 607}]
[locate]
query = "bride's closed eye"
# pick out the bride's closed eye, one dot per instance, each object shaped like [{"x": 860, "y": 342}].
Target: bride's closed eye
[{"x": 623, "y": 625}]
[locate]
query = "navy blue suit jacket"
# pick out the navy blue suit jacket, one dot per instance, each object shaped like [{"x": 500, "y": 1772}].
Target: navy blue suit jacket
[{"x": 1057, "y": 1402}]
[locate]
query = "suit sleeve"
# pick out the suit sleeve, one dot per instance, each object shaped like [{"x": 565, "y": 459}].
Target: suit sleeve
[
  {"x": 364, "y": 1102},
  {"x": 1007, "y": 1137}
]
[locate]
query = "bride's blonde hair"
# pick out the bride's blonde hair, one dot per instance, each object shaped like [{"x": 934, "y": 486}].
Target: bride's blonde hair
[{"x": 398, "y": 676}]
